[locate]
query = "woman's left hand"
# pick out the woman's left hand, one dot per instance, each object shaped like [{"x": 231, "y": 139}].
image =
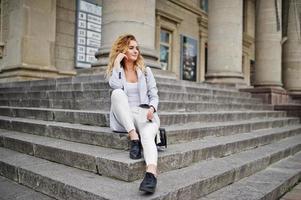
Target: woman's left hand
[{"x": 150, "y": 113}]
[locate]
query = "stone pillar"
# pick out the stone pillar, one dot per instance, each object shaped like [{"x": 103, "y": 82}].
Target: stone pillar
[
  {"x": 268, "y": 37},
  {"x": 225, "y": 41},
  {"x": 247, "y": 42},
  {"x": 292, "y": 51},
  {"x": 136, "y": 17},
  {"x": 30, "y": 44},
  {"x": 203, "y": 35}
]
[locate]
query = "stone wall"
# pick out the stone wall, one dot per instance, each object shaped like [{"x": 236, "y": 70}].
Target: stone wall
[
  {"x": 65, "y": 35},
  {"x": 183, "y": 20},
  {"x": 4, "y": 29}
]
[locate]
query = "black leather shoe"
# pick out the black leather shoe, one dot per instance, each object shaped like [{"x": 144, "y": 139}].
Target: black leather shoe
[
  {"x": 135, "y": 150},
  {"x": 149, "y": 183}
]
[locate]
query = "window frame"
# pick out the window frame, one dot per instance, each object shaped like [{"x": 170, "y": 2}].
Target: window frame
[{"x": 168, "y": 45}]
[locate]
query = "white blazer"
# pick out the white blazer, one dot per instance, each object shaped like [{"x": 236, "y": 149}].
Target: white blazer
[{"x": 148, "y": 91}]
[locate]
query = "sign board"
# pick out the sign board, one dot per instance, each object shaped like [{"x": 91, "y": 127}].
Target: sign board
[
  {"x": 189, "y": 58},
  {"x": 88, "y": 33}
]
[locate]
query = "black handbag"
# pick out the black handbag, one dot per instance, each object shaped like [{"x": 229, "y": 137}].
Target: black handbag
[{"x": 163, "y": 138}]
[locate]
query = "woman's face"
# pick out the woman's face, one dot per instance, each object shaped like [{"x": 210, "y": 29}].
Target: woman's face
[{"x": 133, "y": 51}]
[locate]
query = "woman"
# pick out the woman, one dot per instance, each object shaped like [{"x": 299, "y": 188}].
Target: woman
[{"x": 134, "y": 103}]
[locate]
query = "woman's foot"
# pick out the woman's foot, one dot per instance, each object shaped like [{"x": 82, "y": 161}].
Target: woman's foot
[
  {"x": 149, "y": 183},
  {"x": 135, "y": 149}
]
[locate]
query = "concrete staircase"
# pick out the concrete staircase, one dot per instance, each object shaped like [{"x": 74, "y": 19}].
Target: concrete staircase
[{"x": 223, "y": 144}]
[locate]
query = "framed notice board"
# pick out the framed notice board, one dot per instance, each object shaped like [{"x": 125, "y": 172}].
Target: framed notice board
[
  {"x": 188, "y": 58},
  {"x": 88, "y": 32}
]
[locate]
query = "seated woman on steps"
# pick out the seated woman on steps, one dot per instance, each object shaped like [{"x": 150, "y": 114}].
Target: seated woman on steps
[{"x": 134, "y": 103}]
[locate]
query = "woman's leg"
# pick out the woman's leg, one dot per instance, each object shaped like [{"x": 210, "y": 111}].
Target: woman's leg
[
  {"x": 147, "y": 135},
  {"x": 122, "y": 112},
  {"x": 147, "y": 131}
]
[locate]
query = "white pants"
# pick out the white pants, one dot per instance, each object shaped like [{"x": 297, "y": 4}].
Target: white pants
[{"x": 135, "y": 118}]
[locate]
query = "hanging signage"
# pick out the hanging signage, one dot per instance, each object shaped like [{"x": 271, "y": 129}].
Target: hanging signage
[
  {"x": 88, "y": 32},
  {"x": 189, "y": 57}
]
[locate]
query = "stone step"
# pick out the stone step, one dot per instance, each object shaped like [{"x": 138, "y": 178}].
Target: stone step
[
  {"x": 164, "y": 105},
  {"x": 10, "y": 190},
  {"x": 99, "y": 99},
  {"x": 270, "y": 183},
  {"x": 182, "y": 96},
  {"x": 94, "y": 135},
  {"x": 63, "y": 182},
  {"x": 98, "y": 78},
  {"x": 56, "y": 95},
  {"x": 92, "y": 104},
  {"x": 190, "y": 89},
  {"x": 116, "y": 163},
  {"x": 105, "y": 93},
  {"x": 193, "y": 131},
  {"x": 103, "y": 136},
  {"x": 101, "y": 118},
  {"x": 187, "y": 106},
  {"x": 105, "y": 86},
  {"x": 173, "y": 118}
]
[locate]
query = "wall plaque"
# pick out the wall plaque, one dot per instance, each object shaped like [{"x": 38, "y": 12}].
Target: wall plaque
[{"x": 88, "y": 32}]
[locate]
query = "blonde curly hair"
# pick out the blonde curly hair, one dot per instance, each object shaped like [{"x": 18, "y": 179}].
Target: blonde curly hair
[{"x": 121, "y": 45}]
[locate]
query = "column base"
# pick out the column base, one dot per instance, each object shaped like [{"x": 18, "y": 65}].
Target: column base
[
  {"x": 295, "y": 95},
  {"x": 101, "y": 71},
  {"x": 270, "y": 84},
  {"x": 274, "y": 96},
  {"x": 227, "y": 78},
  {"x": 150, "y": 57}
]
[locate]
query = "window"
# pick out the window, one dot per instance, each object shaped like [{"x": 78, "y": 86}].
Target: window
[
  {"x": 165, "y": 49},
  {"x": 204, "y": 5}
]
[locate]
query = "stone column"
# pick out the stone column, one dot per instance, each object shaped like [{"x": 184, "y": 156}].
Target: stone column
[
  {"x": 268, "y": 37},
  {"x": 225, "y": 41},
  {"x": 292, "y": 50},
  {"x": 203, "y": 34},
  {"x": 30, "y": 44},
  {"x": 136, "y": 17}
]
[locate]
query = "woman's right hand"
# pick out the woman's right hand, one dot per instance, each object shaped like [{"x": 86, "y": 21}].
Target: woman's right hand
[{"x": 119, "y": 58}]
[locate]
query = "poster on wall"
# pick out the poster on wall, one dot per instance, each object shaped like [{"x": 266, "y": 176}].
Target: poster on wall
[
  {"x": 88, "y": 33},
  {"x": 189, "y": 54}
]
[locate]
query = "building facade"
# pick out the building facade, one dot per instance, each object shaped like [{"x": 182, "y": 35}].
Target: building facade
[{"x": 244, "y": 42}]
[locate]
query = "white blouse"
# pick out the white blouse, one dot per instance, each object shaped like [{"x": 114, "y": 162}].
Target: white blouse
[{"x": 133, "y": 94}]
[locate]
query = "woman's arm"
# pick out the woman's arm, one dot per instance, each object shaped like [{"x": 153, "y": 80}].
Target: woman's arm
[
  {"x": 115, "y": 80},
  {"x": 152, "y": 90}
]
